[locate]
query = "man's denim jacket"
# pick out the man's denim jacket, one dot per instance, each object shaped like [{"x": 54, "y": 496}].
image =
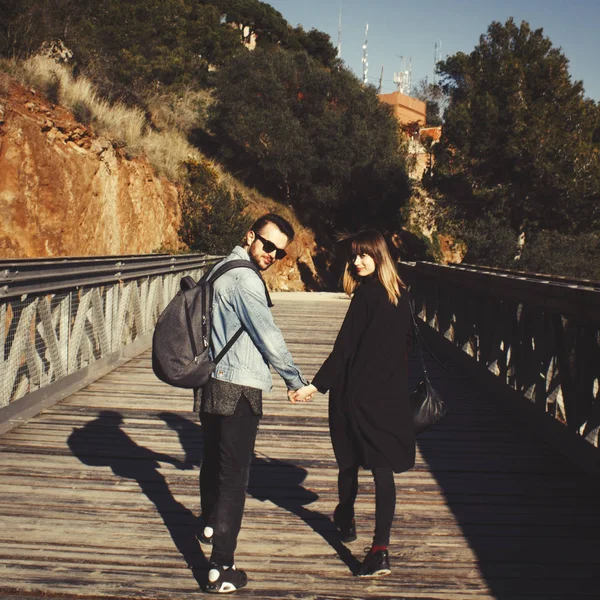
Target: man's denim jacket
[{"x": 239, "y": 300}]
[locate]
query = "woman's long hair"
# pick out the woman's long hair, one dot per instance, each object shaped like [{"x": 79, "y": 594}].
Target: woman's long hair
[{"x": 371, "y": 242}]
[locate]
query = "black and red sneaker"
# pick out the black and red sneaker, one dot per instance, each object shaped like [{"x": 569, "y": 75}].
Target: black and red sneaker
[{"x": 375, "y": 564}]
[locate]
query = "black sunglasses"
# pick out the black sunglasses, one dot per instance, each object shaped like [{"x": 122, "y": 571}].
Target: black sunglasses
[{"x": 269, "y": 246}]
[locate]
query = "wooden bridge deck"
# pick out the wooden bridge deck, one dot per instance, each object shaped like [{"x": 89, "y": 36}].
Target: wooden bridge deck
[{"x": 111, "y": 510}]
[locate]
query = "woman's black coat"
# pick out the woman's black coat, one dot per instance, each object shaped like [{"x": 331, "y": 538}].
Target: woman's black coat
[{"x": 369, "y": 412}]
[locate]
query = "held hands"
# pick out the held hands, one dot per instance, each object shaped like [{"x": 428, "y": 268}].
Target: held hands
[{"x": 304, "y": 394}]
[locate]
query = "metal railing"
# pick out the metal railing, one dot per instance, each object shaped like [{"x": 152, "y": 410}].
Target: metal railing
[
  {"x": 539, "y": 334},
  {"x": 59, "y": 316}
]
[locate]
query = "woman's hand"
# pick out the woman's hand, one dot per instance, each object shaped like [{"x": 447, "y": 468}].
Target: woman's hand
[{"x": 304, "y": 394}]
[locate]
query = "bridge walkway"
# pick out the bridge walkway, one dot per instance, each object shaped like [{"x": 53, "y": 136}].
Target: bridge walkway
[{"x": 99, "y": 496}]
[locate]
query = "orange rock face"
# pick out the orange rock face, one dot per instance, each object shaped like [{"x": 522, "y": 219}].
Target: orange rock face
[
  {"x": 65, "y": 192},
  {"x": 296, "y": 272}
]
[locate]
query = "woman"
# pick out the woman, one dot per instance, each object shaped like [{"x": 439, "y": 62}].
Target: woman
[{"x": 370, "y": 419}]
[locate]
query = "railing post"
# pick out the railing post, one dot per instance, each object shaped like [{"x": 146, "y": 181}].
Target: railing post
[
  {"x": 4, "y": 392},
  {"x": 540, "y": 336}
]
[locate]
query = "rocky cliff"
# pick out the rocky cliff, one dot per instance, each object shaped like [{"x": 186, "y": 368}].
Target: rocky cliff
[{"x": 66, "y": 192}]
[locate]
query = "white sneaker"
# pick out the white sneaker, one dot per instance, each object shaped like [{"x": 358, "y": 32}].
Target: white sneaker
[
  {"x": 206, "y": 537},
  {"x": 224, "y": 580}
]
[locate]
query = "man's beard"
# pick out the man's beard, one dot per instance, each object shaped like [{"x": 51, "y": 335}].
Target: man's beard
[{"x": 256, "y": 259}]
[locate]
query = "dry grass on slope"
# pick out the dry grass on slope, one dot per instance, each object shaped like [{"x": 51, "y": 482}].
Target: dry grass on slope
[
  {"x": 297, "y": 271},
  {"x": 166, "y": 149},
  {"x": 125, "y": 126}
]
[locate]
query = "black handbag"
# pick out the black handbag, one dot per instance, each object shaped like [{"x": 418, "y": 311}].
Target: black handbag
[{"x": 428, "y": 407}]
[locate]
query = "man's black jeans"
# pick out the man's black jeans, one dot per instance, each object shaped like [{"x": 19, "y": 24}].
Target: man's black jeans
[{"x": 228, "y": 450}]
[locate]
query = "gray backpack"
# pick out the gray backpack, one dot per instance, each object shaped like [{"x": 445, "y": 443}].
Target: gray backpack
[{"x": 181, "y": 340}]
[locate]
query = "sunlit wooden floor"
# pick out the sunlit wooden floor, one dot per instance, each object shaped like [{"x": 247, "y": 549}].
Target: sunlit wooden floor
[{"x": 99, "y": 496}]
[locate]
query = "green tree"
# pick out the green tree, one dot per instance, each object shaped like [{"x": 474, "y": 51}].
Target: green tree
[
  {"x": 433, "y": 96},
  {"x": 310, "y": 136},
  {"x": 25, "y": 24},
  {"x": 142, "y": 42},
  {"x": 129, "y": 44},
  {"x": 518, "y": 137},
  {"x": 270, "y": 28},
  {"x": 212, "y": 217},
  {"x": 315, "y": 43},
  {"x": 562, "y": 254},
  {"x": 261, "y": 19}
]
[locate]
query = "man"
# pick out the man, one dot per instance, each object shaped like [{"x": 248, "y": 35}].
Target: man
[{"x": 231, "y": 403}]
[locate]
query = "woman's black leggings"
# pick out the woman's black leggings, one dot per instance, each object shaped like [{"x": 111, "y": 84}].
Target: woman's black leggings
[{"x": 385, "y": 500}]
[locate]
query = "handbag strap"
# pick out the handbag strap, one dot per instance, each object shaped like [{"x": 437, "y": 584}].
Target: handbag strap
[{"x": 420, "y": 341}]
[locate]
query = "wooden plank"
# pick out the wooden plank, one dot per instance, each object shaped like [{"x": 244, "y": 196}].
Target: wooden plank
[{"x": 486, "y": 512}]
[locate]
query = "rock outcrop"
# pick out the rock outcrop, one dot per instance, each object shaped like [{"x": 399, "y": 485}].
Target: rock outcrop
[
  {"x": 66, "y": 192},
  {"x": 421, "y": 215}
]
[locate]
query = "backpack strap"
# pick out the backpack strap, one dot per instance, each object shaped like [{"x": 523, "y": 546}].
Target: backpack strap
[
  {"x": 215, "y": 273},
  {"x": 228, "y": 345}
]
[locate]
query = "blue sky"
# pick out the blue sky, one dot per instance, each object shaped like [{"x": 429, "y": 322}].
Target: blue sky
[{"x": 406, "y": 29}]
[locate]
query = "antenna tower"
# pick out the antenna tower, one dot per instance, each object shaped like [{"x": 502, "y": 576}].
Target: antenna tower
[
  {"x": 365, "y": 62},
  {"x": 403, "y": 78}
]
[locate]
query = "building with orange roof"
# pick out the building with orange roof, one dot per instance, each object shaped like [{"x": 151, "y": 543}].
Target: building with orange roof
[{"x": 406, "y": 109}]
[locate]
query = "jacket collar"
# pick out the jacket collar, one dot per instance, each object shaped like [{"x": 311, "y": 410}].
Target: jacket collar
[{"x": 240, "y": 253}]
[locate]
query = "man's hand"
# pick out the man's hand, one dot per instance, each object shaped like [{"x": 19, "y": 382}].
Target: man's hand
[{"x": 304, "y": 394}]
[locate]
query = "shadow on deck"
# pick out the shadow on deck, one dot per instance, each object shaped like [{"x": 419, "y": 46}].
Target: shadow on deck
[{"x": 100, "y": 496}]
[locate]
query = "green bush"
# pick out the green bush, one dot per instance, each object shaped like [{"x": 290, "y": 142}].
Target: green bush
[
  {"x": 52, "y": 88},
  {"x": 559, "y": 254},
  {"x": 213, "y": 218},
  {"x": 82, "y": 112},
  {"x": 490, "y": 241},
  {"x": 414, "y": 245}
]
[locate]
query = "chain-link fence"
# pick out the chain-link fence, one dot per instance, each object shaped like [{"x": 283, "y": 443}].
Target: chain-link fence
[{"x": 47, "y": 335}]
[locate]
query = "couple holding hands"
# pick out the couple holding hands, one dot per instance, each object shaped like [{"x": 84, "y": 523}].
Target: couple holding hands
[{"x": 370, "y": 418}]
